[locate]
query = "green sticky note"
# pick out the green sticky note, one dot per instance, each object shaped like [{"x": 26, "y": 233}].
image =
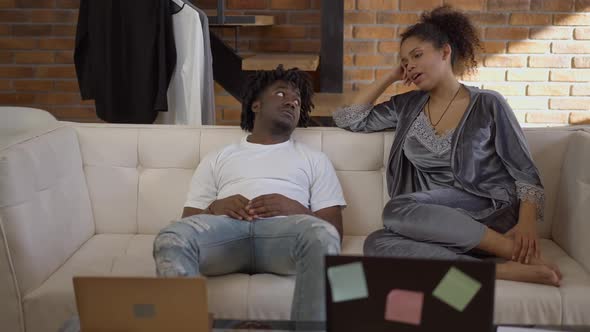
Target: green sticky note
[
  {"x": 348, "y": 282},
  {"x": 456, "y": 289}
]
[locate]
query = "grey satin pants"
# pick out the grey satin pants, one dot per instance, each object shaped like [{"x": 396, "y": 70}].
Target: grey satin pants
[{"x": 436, "y": 224}]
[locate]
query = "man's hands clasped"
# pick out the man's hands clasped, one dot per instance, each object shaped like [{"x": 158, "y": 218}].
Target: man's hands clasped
[{"x": 264, "y": 206}]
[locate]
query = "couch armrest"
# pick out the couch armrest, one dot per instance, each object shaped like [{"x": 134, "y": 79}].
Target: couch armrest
[
  {"x": 44, "y": 205},
  {"x": 19, "y": 122},
  {"x": 11, "y": 318},
  {"x": 571, "y": 226}
]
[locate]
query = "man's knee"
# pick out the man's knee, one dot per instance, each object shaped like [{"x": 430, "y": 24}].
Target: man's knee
[
  {"x": 175, "y": 235},
  {"x": 168, "y": 240},
  {"x": 324, "y": 234}
]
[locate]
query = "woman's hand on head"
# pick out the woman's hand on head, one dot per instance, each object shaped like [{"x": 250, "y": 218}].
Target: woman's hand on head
[{"x": 400, "y": 73}]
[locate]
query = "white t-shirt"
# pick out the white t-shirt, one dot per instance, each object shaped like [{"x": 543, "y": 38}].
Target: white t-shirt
[{"x": 290, "y": 169}]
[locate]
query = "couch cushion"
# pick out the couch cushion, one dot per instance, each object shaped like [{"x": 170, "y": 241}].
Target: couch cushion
[
  {"x": 123, "y": 155},
  {"x": 151, "y": 169},
  {"x": 232, "y": 296},
  {"x": 263, "y": 302},
  {"x": 524, "y": 303},
  {"x": 111, "y": 161},
  {"x": 521, "y": 303},
  {"x": 266, "y": 296},
  {"x": 215, "y": 139},
  {"x": 11, "y": 318},
  {"x": 515, "y": 302},
  {"x": 362, "y": 191},
  {"x": 575, "y": 286},
  {"x": 115, "y": 210},
  {"x": 162, "y": 194},
  {"x": 49, "y": 306},
  {"x": 227, "y": 295},
  {"x": 312, "y": 137},
  {"x": 353, "y": 245},
  {"x": 165, "y": 148},
  {"x": 572, "y": 226},
  {"x": 548, "y": 148},
  {"x": 43, "y": 200},
  {"x": 354, "y": 152}
]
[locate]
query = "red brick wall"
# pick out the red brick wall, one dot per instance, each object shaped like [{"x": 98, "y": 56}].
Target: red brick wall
[
  {"x": 36, "y": 56},
  {"x": 537, "y": 51}
]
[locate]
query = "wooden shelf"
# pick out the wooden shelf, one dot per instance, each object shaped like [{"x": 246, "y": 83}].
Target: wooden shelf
[
  {"x": 243, "y": 21},
  {"x": 270, "y": 61},
  {"x": 327, "y": 103}
]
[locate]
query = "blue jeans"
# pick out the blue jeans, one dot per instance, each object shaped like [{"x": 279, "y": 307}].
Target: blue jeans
[{"x": 216, "y": 245}]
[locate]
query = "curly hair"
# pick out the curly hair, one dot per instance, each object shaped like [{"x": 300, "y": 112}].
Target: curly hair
[
  {"x": 445, "y": 25},
  {"x": 262, "y": 79}
]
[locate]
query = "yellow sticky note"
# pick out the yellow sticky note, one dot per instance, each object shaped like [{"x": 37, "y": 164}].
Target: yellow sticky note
[{"x": 457, "y": 289}]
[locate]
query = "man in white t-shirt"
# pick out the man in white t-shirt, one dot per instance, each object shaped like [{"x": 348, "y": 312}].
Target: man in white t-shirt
[{"x": 266, "y": 204}]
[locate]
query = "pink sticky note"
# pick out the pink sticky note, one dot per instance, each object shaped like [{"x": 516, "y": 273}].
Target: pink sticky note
[{"x": 404, "y": 306}]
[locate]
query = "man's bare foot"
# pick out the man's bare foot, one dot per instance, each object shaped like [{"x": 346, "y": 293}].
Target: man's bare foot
[{"x": 538, "y": 274}]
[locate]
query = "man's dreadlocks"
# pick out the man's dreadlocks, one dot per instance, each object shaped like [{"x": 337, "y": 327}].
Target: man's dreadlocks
[{"x": 259, "y": 81}]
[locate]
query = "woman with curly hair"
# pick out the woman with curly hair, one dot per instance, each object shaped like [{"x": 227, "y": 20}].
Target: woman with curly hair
[{"x": 460, "y": 176}]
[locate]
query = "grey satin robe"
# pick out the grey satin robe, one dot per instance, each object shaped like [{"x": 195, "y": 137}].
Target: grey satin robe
[{"x": 489, "y": 156}]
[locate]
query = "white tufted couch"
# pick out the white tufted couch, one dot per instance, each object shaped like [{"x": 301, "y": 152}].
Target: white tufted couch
[{"x": 85, "y": 199}]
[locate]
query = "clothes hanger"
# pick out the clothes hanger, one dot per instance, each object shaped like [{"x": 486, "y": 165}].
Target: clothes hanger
[
  {"x": 176, "y": 8},
  {"x": 189, "y": 3}
]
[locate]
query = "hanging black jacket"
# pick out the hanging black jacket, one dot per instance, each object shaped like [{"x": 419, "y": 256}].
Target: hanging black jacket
[{"x": 125, "y": 56}]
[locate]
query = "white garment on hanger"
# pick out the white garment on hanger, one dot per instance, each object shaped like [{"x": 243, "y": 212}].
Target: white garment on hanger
[{"x": 186, "y": 85}]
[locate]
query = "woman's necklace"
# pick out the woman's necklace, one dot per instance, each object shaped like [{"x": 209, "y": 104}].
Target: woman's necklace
[{"x": 444, "y": 112}]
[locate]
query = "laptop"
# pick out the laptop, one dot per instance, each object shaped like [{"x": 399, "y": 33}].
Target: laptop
[
  {"x": 400, "y": 294},
  {"x": 141, "y": 304}
]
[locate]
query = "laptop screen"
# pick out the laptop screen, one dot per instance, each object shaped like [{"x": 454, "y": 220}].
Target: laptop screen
[
  {"x": 399, "y": 294},
  {"x": 142, "y": 304}
]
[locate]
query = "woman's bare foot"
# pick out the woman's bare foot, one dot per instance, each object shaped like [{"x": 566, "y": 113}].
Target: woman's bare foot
[
  {"x": 538, "y": 274},
  {"x": 542, "y": 261}
]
